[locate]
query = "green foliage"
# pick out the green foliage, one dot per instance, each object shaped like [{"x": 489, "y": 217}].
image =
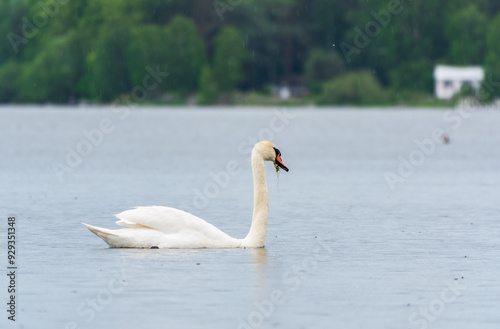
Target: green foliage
[
  {"x": 353, "y": 88},
  {"x": 406, "y": 48},
  {"x": 416, "y": 74},
  {"x": 54, "y": 73},
  {"x": 412, "y": 97},
  {"x": 187, "y": 55},
  {"x": 323, "y": 65},
  {"x": 228, "y": 58},
  {"x": 465, "y": 91},
  {"x": 149, "y": 46},
  {"x": 87, "y": 86},
  {"x": 9, "y": 74},
  {"x": 47, "y": 20},
  {"x": 208, "y": 87},
  {"x": 491, "y": 85},
  {"x": 493, "y": 7},
  {"x": 101, "y": 49},
  {"x": 105, "y": 77},
  {"x": 483, "y": 6},
  {"x": 465, "y": 30},
  {"x": 10, "y": 13}
]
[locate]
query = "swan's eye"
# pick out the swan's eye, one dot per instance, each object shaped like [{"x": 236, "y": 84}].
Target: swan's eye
[{"x": 277, "y": 151}]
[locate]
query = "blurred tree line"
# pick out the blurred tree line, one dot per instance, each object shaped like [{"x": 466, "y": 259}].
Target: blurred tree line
[{"x": 345, "y": 51}]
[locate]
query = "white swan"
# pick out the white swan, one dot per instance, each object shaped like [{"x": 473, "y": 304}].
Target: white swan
[{"x": 165, "y": 227}]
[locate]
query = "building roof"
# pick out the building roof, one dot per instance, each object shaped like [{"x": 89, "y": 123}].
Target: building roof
[{"x": 444, "y": 72}]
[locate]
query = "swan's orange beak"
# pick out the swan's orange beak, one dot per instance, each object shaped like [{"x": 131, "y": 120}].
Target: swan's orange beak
[{"x": 280, "y": 163}]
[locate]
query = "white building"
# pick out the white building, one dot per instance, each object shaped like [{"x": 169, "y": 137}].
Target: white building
[{"x": 448, "y": 80}]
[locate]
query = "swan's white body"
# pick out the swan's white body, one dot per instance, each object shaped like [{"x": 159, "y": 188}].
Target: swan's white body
[{"x": 164, "y": 227}]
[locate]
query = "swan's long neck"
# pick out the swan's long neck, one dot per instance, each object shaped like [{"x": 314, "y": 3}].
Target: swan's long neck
[{"x": 257, "y": 235}]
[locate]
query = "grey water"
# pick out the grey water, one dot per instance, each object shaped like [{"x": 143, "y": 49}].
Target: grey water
[{"x": 378, "y": 224}]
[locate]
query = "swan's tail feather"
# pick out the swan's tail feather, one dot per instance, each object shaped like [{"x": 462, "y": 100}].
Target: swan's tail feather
[{"x": 104, "y": 233}]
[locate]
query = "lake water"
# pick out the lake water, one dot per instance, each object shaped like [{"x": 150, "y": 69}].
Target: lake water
[{"x": 367, "y": 230}]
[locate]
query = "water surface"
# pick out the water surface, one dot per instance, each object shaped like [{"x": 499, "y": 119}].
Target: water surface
[{"x": 344, "y": 249}]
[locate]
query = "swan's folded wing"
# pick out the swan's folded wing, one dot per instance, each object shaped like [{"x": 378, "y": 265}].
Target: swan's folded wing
[{"x": 167, "y": 220}]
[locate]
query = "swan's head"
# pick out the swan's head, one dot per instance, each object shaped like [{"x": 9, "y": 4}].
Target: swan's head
[{"x": 270, "y": 152}]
